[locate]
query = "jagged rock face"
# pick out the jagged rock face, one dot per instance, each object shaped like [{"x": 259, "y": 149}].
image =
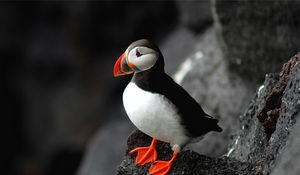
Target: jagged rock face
[
  {"x": 257, "y": 34},
  {"x": 259, "y": 143},
  {"x": 288, "y": 160}
]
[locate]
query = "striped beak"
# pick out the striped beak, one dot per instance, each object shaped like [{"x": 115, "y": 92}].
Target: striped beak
[{"x": 121, "y": 67}]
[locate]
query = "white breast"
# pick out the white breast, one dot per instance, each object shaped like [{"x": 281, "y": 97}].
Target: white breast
[{"x": 154, "y": 115}]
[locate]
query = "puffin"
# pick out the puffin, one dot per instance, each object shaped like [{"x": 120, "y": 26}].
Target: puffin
[{"x": 158, "y": 106}]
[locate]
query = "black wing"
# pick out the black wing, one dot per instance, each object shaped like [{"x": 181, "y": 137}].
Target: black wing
[{"x": 195, "y": 120}]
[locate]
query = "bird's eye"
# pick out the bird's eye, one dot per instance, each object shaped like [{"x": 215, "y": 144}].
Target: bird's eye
[{"x": 137, "y": 53}]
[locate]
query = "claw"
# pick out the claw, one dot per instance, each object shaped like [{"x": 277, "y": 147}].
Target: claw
[
  {"x": 162, "y": 167},
  {"x": 145, "y": 154}
]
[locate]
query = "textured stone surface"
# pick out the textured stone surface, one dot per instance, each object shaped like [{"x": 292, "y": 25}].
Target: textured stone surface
[
  {"x": 195, "y": 15},
  {"x": 269, "y": 114},
  {"x": 252, "y": 143},
  {"x": 188, "y": 162},
  {"x": 257, "y": 34},
  {"x": 290, "y": 157}
]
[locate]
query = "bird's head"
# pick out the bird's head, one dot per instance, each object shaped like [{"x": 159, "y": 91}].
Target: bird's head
[{"x": 140, "y": 56}]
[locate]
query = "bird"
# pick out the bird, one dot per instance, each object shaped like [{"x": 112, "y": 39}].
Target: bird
[{"x": 158, "y": 106}]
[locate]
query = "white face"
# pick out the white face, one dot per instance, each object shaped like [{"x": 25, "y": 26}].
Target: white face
[{"x": 142, "y": 57}]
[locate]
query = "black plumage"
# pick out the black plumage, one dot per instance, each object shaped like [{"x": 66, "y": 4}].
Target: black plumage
[{"x": 155, "y": 80}]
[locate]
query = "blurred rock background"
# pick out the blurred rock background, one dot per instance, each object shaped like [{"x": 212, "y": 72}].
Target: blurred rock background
[{"x": 63, "y": 108}]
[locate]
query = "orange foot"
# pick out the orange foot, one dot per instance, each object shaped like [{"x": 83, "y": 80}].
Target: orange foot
[
  {"x": 162, "y": 167},
  {"x": 145, "y": 154}
]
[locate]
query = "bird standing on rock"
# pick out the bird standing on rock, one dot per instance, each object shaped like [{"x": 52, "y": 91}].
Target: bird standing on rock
[{"x": 158, "y": 106}]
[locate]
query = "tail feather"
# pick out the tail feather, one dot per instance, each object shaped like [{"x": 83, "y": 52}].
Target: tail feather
[{"x": 218, "y": 128}]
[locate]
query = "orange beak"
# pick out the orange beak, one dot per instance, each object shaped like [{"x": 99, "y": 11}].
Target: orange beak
[{"x": 121, "y": 67}]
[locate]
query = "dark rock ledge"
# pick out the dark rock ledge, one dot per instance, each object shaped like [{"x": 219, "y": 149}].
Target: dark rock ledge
[
  {"x": 188, "y": 162},
  {"x": 259, "y": 144}
]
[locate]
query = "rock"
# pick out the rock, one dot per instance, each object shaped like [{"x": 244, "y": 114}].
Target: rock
[
  {"x": 288, "y": 160},
  {"x": 257, "y": 34},
  {"x": 269, "y": 114},
  {"x": 188, "y": 162},
  {"x": 257, "y": 142},
  {"x": 104, "y": 152},
  {"x": 176, "y": 47},
  {"x": 195, "y": 15}
]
